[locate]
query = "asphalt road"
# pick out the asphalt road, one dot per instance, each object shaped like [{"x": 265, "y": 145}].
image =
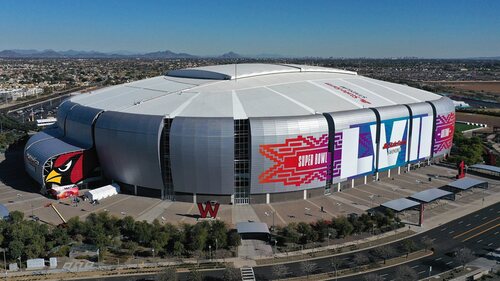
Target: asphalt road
[{"x": 478, "y": 231}]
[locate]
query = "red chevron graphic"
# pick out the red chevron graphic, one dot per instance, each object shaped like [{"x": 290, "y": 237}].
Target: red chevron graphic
[{"x": 298, "y": 161}]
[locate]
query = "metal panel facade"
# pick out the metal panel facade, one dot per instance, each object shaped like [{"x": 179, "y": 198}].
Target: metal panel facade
[
  {"x": 421, "y": 132},
  {"x": 37, "y": 153},
  {"x": 394, "y": 131},
  {"x": 202, "y": 155},
  {"x": 128, "y": 148},
  {"x": 79, "y": 122},
  {"x": 62, "y": 113},
  {"x": 354, "y": 146},
  {"x": 288, "y": 154},
  {"x": 444, "y": 126}
]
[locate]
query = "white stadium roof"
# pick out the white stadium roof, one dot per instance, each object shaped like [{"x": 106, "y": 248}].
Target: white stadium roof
[{"x": 251, "y": 90}]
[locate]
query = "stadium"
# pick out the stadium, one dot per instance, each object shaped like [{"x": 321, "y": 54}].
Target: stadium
[{"x": 241, "y": 134}]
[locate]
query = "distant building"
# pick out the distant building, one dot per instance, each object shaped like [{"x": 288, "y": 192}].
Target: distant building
[
  {"x": 14, "y": 94},
  {"x": 460, "y": 104}
]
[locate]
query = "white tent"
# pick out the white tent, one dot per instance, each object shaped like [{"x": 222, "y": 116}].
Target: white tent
[{"x": 103, "y": 192}]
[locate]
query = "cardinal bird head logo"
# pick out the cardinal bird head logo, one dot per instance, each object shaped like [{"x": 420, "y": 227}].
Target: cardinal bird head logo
[{"x": 67, "y": 169}]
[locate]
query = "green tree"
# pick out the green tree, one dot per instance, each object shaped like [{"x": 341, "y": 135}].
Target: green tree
[
  {"x": 178, "y": 249},
  {"x": 290, "y": 233},
  {"x": 218, "y": 231},
  {"x": 199, "y": 236},
  {"x": 16, "y": 217},
  {"x": 127, "y": 227},
  {"x": 15, "y": 249},
  {"x": 233, "y": 238},
  {"x": 306, "y": 233},
  {"x": 343, "y": 226}
]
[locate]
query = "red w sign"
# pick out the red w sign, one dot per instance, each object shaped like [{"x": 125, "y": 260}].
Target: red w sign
[{"x": 210, "y": 208}]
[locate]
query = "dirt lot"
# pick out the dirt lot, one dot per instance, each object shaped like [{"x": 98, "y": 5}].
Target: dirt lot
[
  {"x": 478, "y": 118},
  {"x": 479, "y": 86}
]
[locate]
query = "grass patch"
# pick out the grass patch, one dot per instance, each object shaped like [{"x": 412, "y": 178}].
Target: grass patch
[{"x": 464, "y": 127}]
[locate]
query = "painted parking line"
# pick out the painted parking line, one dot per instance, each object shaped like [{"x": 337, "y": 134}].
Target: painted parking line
[
  {"x": 460, "y": 222},
  {"x": 421, "y": 272},
  {"x": 448, "y": 263},
  {"x": 384, "y": 275},
  {"x": 484, "y": 218},
  {"x": 479, "y": 241},
  {"x": 415, "y": 266},
  {"x": 438, "y": 259},
  {"x": 489, "y": 244},
  {"x": 451, "y": 232},
  {"x": 467, "y": 224},
  {"x": 443, "y": 229}
]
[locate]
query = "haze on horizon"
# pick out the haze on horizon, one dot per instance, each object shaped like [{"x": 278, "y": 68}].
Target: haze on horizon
[{"x": 430, "y": 29}]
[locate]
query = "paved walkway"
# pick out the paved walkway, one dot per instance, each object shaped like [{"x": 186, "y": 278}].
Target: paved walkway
[
  {"x": 154, "y": 212},
  {"x": 243, "y": 213}
]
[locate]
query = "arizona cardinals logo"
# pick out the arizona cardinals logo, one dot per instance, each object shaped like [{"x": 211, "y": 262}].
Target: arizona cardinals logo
[{"x": 67, "y": 169}]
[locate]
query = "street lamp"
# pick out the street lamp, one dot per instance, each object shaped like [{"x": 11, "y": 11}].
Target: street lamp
[
  {"x": 153, "y": 250},
  {"x": 216, "y": 247},
  {"x": 394, "y": 192},
  {"x": 210, "y": 251},
  {"x": 340, "y": 207},
  {"x": 371, "y": 197},
  {"x": 267, "y": 214},
  {"x": 334, "y": 264}
]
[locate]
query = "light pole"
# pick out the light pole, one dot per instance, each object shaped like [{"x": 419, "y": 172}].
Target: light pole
[
  {"x": 216, "y": 247},
  {"x": 153, "y": 250},
  {"x": 273, "y": 218},
  {"x": 210, "y": 251},
  {"x": 267, "y": 214},
  {"x": 334, "y": 264},
  {"x": 371, "y": 197},
  {"x": 340, "y": 207}
]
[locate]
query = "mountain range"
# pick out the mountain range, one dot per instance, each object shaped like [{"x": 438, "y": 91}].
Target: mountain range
[{"x": 167, "y": 54}]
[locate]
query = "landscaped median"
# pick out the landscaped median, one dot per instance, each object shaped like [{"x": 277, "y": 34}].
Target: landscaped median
[
  {"x": 339, "y": 249},
  {"x": 366, "y": 268}
]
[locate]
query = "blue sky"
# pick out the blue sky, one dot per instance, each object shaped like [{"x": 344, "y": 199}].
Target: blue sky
[{"x": 378, "y": 28}]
